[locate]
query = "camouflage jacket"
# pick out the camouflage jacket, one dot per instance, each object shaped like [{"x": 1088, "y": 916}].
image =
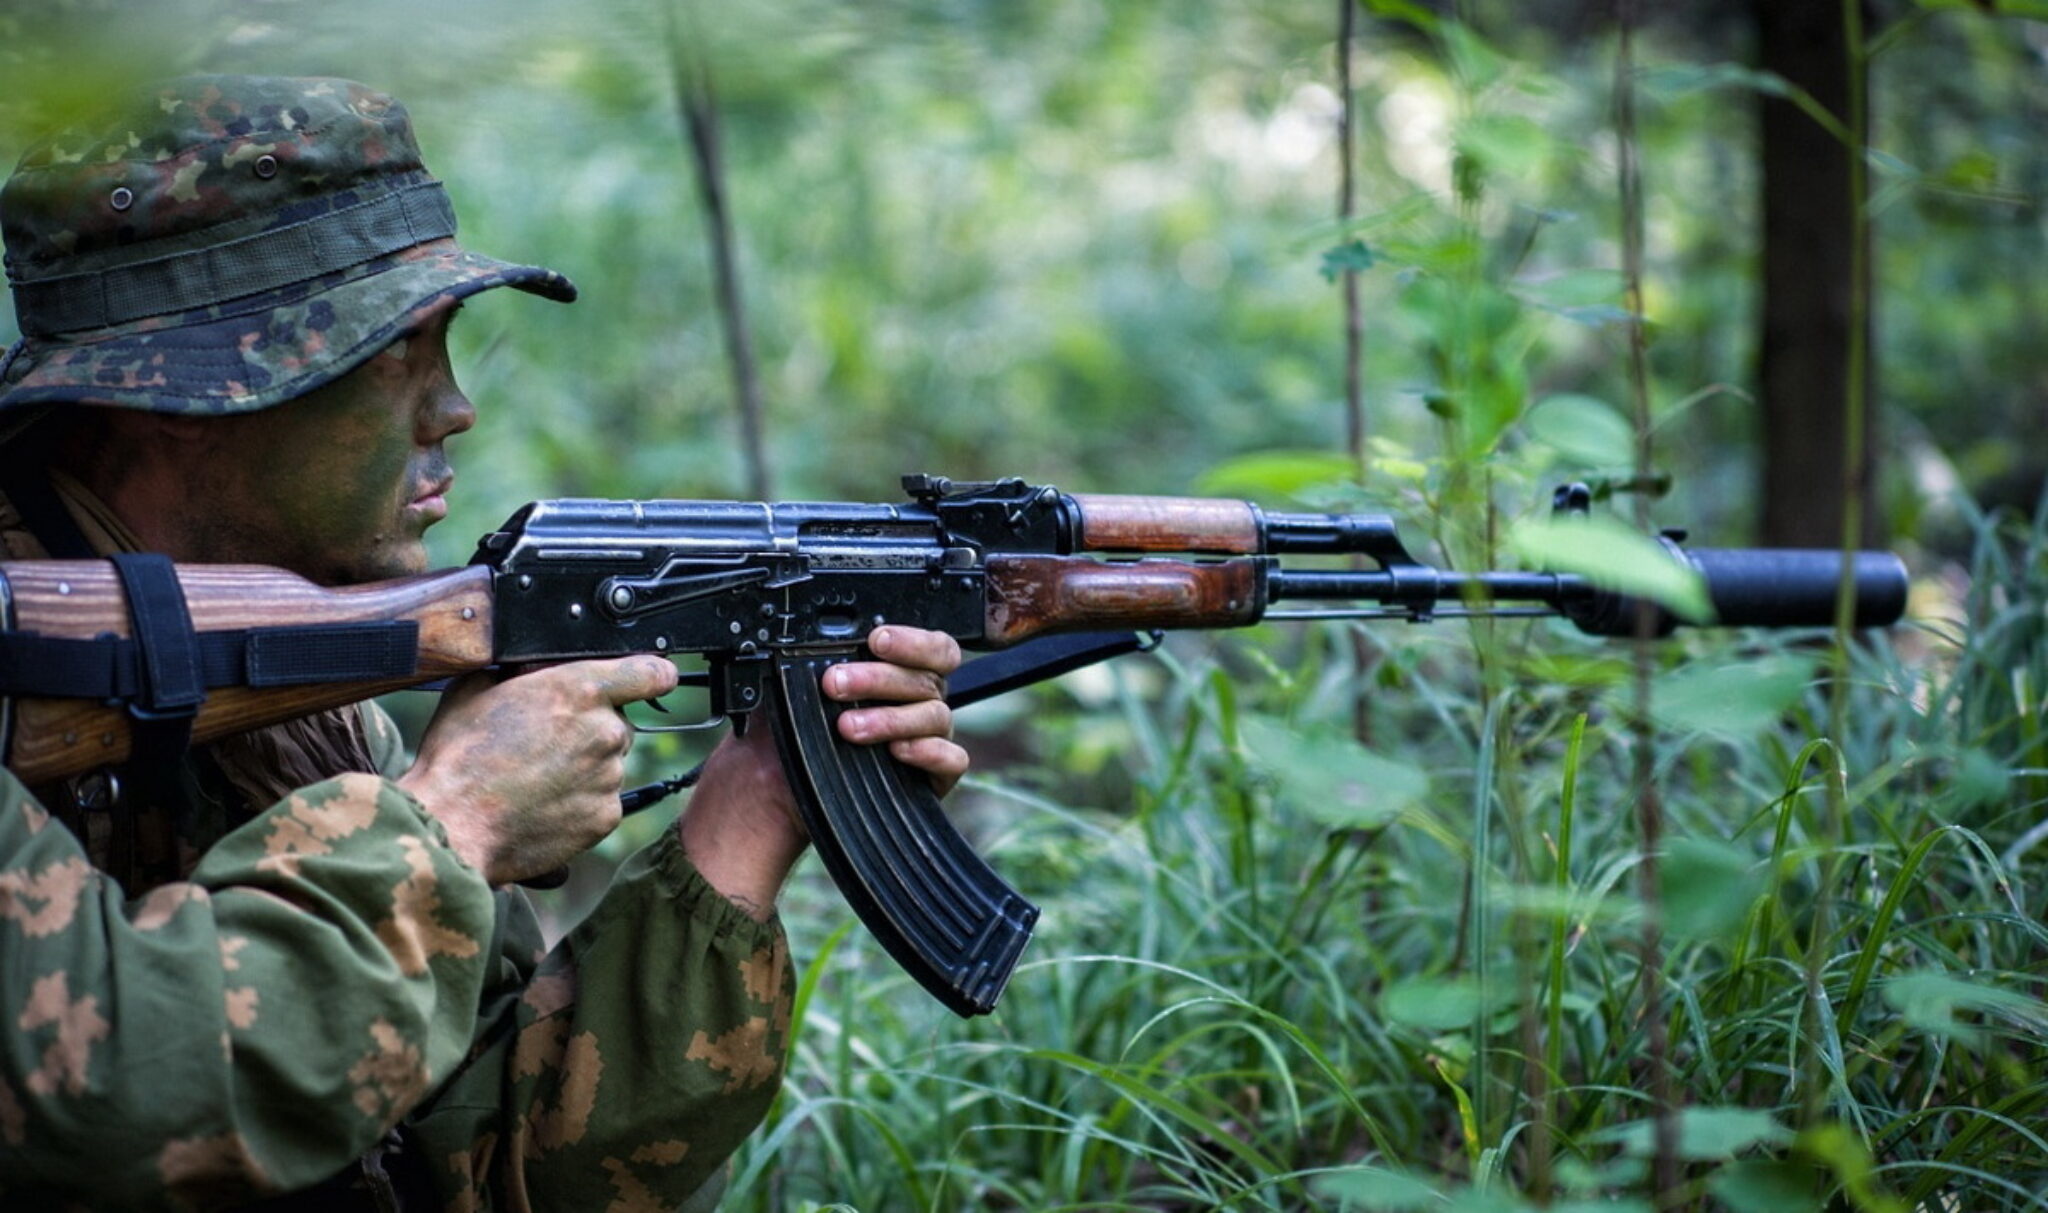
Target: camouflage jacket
[{"x": 328, "y": 969}]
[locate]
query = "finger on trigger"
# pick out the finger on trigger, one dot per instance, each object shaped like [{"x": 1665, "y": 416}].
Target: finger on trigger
[{"x": 642, "y": 676}]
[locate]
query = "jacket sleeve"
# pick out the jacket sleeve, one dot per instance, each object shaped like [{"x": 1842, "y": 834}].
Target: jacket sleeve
[
  {"x": 250, "y": 1030},
  {"x": 624, "y": 1072}
]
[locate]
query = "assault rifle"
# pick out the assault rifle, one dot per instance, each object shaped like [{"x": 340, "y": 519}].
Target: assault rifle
[{"x": 104, "y": 662}]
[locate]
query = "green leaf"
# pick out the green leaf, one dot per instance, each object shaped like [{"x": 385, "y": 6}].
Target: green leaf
[
  {"x": 1976, "y": 169},
  {"x": 1676, "y": 80},
  {"x": 1845, "y": 1153},
  {"x": 2035, "y": 9},
  {"x": 1402, "y": 10},
  {"x": 1353, "y": 256},
  {"x": 1378, "y": 1191},
  {"x": 1271, "y": 474},
  {"x": 1761, "y": 1185},
  {"x": 1704, "y": 1133},
  {"x": 1708, "y": 887},
  {"x": 1584, "y": 429},
  {"x": 1576, "y": 669},
  {"x": 1980, "y": 779},
  {"x": 1740, "y": 699},
  {"x": 1476, "y": 63},
  {"x": 1588, "y": 297},
  {"x": 1614, "y": 557},
  {"x": 1327, "y": 775},
  {"x": 1504, "y": 145},
  {"x": 1487, "y": 1200},
  {"x": 1930, "y": 1000},
  {"x": 1435, "y": 1004}
]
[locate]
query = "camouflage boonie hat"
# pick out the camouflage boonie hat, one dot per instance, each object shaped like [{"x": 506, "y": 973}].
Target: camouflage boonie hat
[{"x": 228, "y": 243}]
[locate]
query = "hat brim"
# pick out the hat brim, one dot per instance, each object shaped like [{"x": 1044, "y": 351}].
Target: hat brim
[{"x": 265, "y": 349}]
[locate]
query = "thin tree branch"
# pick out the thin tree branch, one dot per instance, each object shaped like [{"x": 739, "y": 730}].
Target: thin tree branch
[{"x": 697, "y": 101}]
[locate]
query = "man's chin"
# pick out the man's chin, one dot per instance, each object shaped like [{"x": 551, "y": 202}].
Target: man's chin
[{"x": 385, "y": 564}]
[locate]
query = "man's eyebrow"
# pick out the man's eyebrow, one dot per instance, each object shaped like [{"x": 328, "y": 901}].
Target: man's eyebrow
[{"x": 447, "y": 319}]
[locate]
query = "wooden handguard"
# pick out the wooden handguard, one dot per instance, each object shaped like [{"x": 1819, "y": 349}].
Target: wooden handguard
[
  {"x": 1032, "y": 595},
  {"x": 55, "y": 738},
  {"x": 1167, "y": 524}
]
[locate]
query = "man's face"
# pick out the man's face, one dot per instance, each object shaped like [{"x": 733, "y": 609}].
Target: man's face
[{"x": 340, "y": 484}]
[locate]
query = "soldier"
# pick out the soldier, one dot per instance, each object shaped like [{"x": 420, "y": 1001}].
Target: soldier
[{"x": 289, "y": 967}]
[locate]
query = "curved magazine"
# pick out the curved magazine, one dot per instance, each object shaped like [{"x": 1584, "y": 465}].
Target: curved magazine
[{"x": 939, "y": 910}]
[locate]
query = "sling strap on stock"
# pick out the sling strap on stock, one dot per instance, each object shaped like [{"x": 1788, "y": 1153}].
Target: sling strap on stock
[
  {"x": 167, "y": 651},
  {"x": 113, "y": 667},
  {"x": 160, "y": 674}
]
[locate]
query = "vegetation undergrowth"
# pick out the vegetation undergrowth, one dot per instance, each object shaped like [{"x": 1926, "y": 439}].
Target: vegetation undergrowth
[
  {"x": 1299, "y": 955},
  {"x": 1258, "y": 984}
]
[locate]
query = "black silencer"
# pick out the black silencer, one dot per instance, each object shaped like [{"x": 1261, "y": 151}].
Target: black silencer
[
  {"x": 1795, "y": 587},
  {"x": 1762, "y": 588}
]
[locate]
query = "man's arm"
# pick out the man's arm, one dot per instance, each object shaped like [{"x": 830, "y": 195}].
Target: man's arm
[
  {"x": 650, "y": 1041},
  {"x": 257, "y": 1028},
  {"x": 248, "y": 1031}
]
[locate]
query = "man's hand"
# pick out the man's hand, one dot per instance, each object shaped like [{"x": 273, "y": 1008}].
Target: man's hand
[
  {"x": 906, "y": 691},
  {"x": 524, "y": 772},
  {"x": 742, "y": 830}
]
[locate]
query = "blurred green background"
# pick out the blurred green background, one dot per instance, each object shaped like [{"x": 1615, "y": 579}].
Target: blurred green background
[{"x": 1079, "y": 241}]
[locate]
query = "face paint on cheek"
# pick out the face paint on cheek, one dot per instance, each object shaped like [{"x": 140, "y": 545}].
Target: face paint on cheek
[{"x": 347, "y": 502}]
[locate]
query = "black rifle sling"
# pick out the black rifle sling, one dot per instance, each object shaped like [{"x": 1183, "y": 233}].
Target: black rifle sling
[
  {"x": 1037, "y": 660},
  {"x": 172, "y": 683},
  {"x": 42, "y": 512},
  {"x": 112, "y": 667},
  {"x": 928, "y": 899}
]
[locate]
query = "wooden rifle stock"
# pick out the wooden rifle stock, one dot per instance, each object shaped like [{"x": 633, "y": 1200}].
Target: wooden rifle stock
[{"x": 80, "y": 600}]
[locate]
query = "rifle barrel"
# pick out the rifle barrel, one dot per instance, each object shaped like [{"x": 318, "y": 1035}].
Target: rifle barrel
[{"x": 1419, "y": 585}]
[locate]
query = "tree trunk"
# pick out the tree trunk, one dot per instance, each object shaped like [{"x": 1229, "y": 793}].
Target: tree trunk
[{"x": 1809, "y": 238}]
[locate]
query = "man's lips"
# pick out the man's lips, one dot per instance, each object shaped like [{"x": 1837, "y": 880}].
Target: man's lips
[{"x": 433, "y": 501}]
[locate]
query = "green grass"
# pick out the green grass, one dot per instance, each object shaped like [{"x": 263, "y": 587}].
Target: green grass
[{"x": 1258, "y": 986}]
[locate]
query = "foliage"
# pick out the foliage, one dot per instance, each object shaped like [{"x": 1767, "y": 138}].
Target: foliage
[{"x": 1246, "y": 996}]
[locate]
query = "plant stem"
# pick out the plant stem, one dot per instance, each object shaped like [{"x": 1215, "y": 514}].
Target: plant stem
[
  {"x": 1354, "y": 337},
  {"x": 1649, "y": 802}
]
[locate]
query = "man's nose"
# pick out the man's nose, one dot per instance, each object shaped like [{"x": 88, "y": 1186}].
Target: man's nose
[{"x": 450, "y": 412}]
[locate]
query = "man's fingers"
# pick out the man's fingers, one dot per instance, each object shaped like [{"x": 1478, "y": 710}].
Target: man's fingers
[
  {"x": 856, "y": 680},
  {"x": 916, "y": 648},
  {"x": 632, "y": 679},
  {"x": 925, "y": 718},
  {"x": 943, "y": 760}
]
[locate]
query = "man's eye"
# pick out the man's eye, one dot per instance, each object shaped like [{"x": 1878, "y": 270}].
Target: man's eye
[{"x": 398, "y": 348}]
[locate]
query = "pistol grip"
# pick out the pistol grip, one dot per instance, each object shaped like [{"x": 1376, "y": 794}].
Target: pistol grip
[{"x": 935, "y": 906}]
